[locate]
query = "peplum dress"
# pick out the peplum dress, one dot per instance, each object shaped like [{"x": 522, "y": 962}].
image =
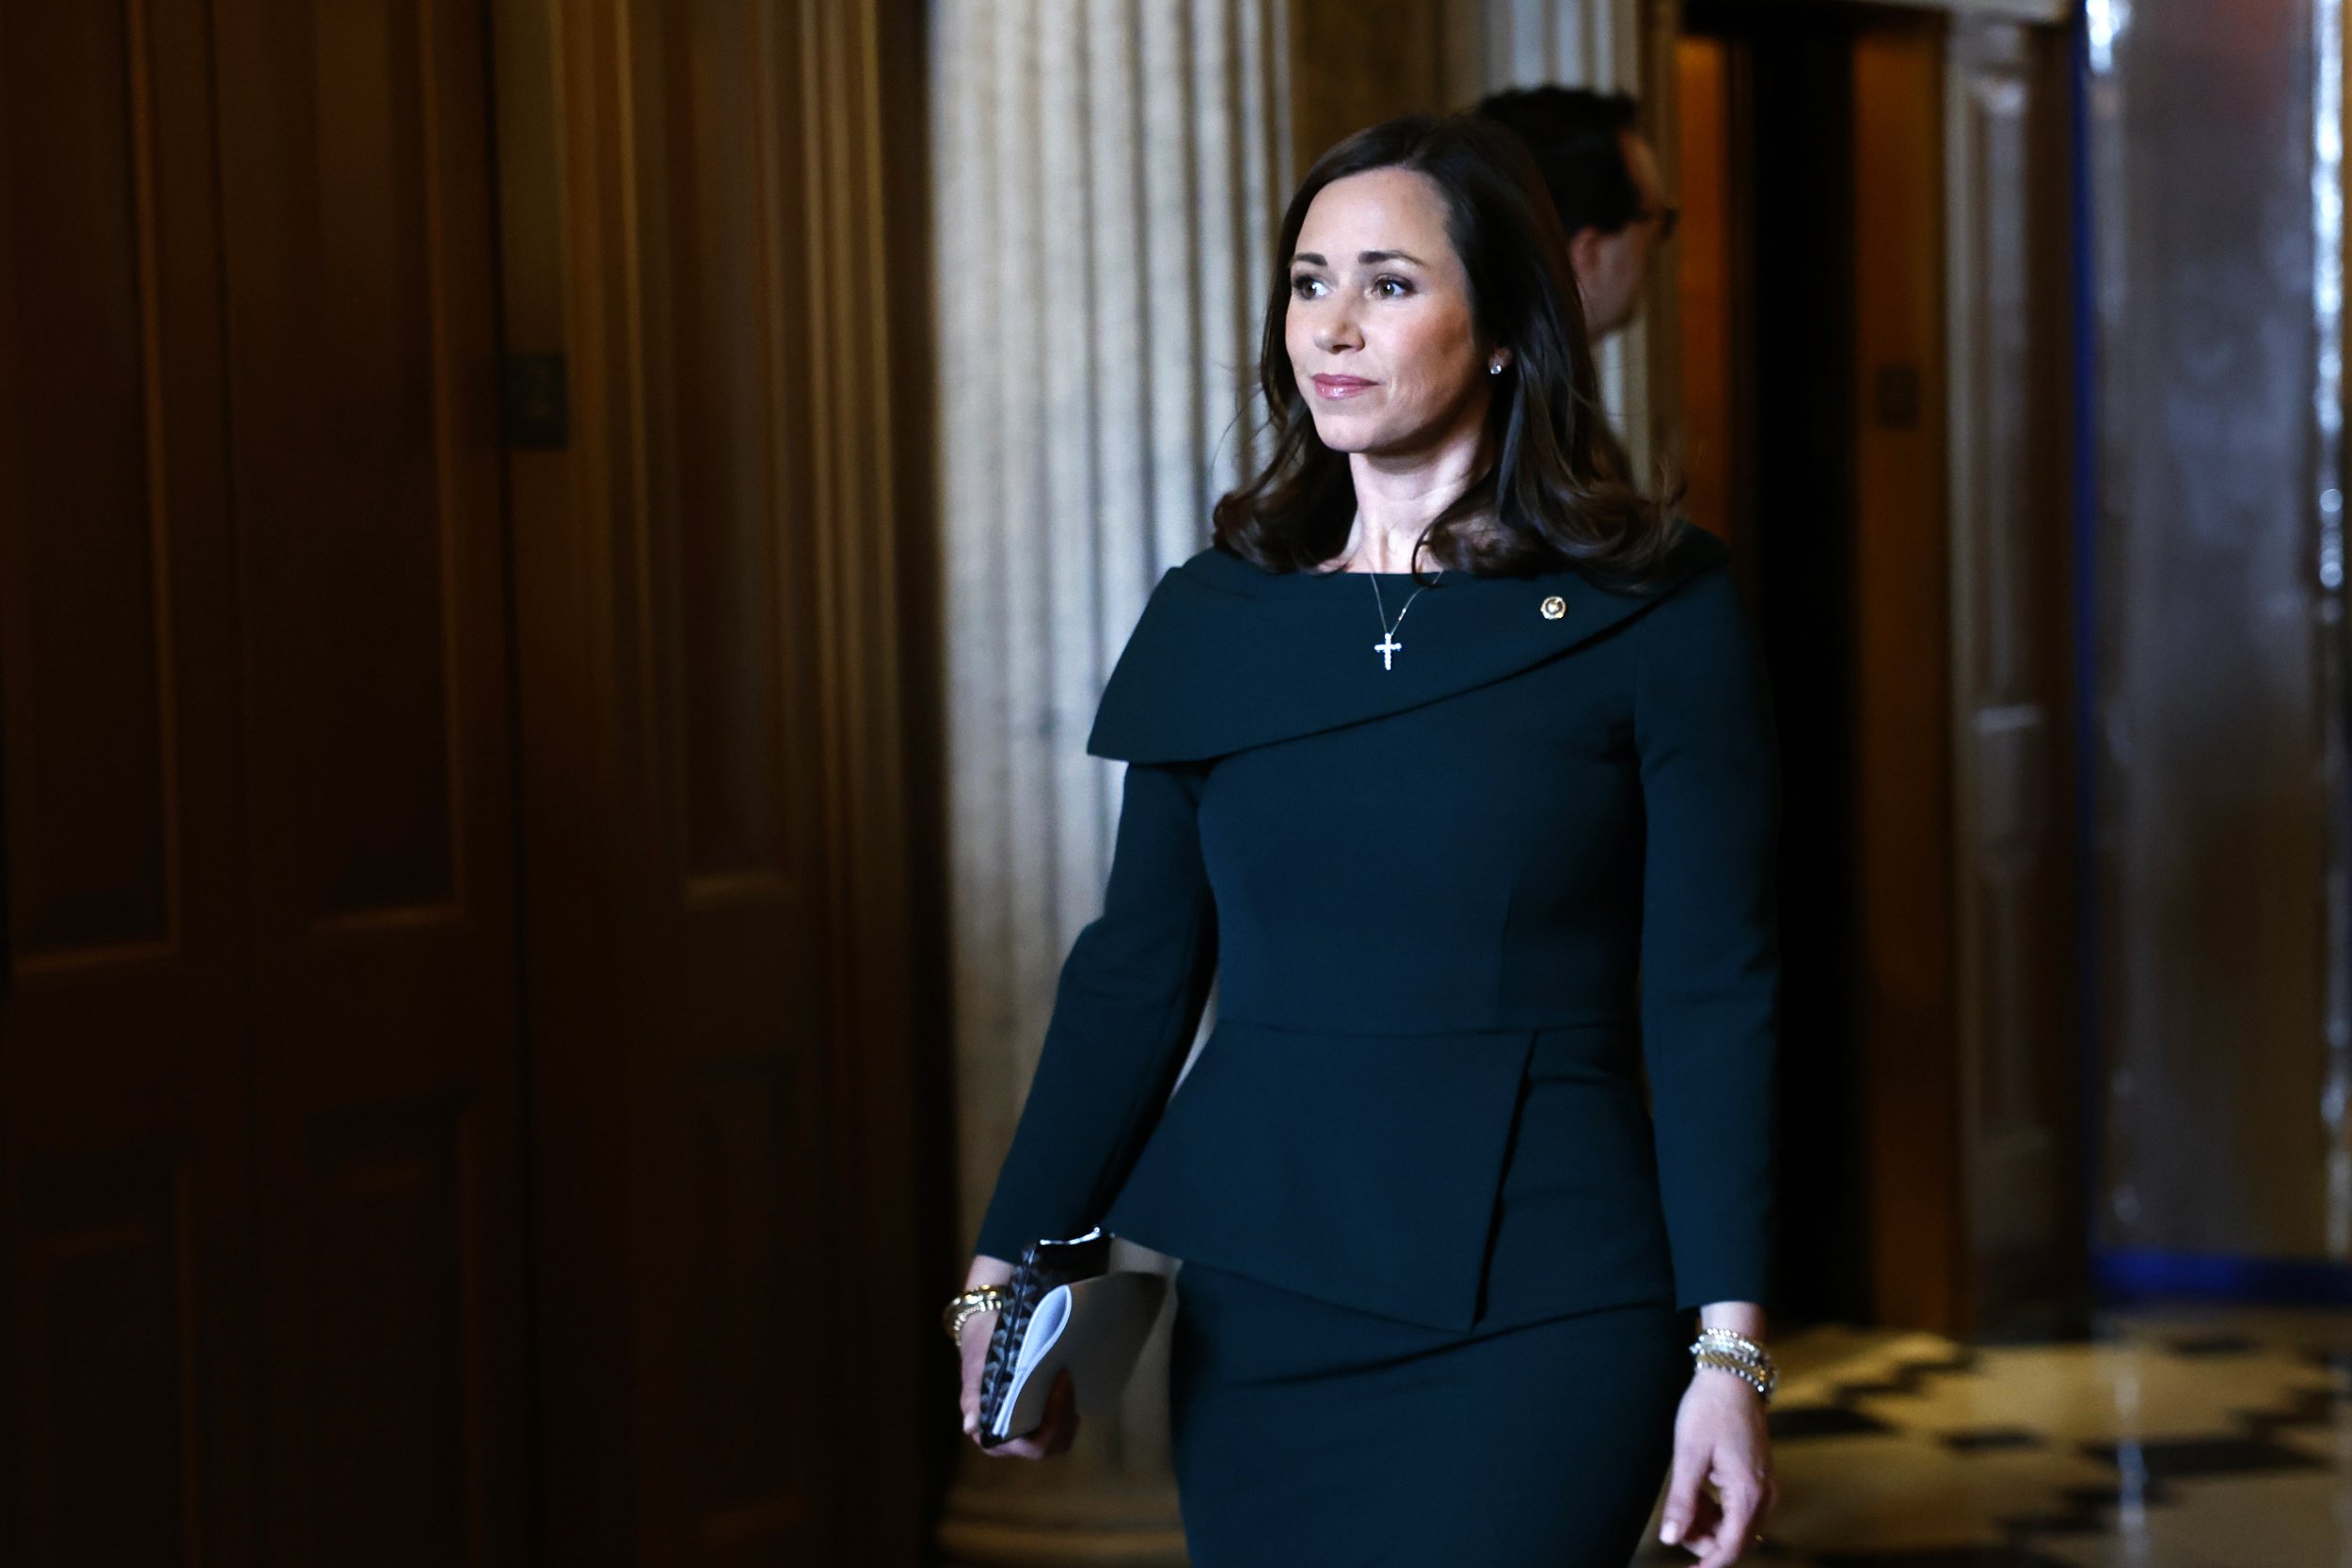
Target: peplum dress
[{"x": 1488, "y": 1106}]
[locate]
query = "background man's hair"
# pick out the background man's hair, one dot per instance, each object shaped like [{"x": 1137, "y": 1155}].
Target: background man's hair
[{"x": 1573, "y": 132}]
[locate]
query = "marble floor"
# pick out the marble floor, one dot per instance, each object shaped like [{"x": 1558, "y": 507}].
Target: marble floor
[{"x": 2183, "y": 1438}]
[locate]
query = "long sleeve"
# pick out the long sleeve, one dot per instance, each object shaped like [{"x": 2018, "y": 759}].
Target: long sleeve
[
  {"x": 1126, "y": 1008},
  {"x": 1711, "y": 960}
]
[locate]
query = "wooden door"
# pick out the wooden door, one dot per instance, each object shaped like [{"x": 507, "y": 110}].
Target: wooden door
[
  {"x": 733, "y": 1320},
  {"x": 260, "y": 1065},
  {"x": 1890, "y": 182},
  {"x": 126, "y": 1181},
  {"x": 1905, "y": 540},
  {"x": 1968, "y": 958},
  {"x": 385, "y": 1033},
  {"x": 268, "y": 723}
]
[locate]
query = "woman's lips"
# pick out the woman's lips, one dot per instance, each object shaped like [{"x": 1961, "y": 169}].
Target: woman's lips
[{"x": 1340, "y": 386}]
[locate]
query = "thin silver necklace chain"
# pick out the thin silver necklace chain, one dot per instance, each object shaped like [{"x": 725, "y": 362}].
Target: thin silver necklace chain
[{"x": 1389, "y": 647}]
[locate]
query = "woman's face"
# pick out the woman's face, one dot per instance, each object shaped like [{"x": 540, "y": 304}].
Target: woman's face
[{"x": 1379, "y": 328}]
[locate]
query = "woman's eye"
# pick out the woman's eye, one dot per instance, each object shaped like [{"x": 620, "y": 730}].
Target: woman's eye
[
  {"x": 1304, "y": 287},
  {"x": 1391, "y": 288}
]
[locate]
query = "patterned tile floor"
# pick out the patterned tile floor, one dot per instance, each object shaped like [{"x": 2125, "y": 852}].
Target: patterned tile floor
[{"x": 2189, "y": 1439}]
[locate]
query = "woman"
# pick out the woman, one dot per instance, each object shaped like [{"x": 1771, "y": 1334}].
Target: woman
[{"x": 1436, "y": 1253}]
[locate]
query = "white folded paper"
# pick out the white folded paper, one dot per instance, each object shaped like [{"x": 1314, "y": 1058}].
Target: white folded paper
[{"x": 1095, "y": 1327}]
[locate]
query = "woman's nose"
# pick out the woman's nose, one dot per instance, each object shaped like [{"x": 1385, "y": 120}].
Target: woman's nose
[{"x": 1337, "y": 332}]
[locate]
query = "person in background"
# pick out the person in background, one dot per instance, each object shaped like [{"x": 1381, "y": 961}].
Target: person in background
[{"x": 1603, "y": 179}]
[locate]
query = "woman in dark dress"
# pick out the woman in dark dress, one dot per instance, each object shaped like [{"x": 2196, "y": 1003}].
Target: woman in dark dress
[{"x": 1450, "y": 763}]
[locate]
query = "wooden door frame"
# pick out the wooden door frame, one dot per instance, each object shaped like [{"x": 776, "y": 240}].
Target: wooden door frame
[{"x": 1924, "y": 1280}]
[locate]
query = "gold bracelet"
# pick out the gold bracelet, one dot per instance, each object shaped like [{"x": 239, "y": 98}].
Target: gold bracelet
[
  {"x": 1739, "y": 1354},
  {"x": 966, "y": 1305}
]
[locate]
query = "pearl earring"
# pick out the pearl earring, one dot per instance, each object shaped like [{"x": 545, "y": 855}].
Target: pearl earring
[{"x": 1495, "y": 369}]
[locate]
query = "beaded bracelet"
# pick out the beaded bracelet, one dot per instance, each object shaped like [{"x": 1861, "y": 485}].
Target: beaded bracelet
[{"x": 1739, "y": 1355}]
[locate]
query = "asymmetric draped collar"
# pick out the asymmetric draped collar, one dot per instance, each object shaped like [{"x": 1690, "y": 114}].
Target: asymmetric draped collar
[{"x": 1228, "y": 656}]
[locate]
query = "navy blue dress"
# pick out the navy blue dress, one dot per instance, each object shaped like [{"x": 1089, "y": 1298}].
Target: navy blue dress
[{"x": 1488, "y": 1106}]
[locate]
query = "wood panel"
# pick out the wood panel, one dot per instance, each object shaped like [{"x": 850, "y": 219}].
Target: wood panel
[
  {"x": 1903, "y": 758},
  {"x": 375, "y": 703},
  {"x": 260, "y": 1065},
  {"x": 721, "y": 691},
  {"x": 124, "y": 1173},
  {"x": 713, "y": 799},
  {"x": 112, "y": 1438},
  {"x": 261, "y": 1169},
  {"x": 1712, "y": 291},
  {"x": 377, "y": 1378}
]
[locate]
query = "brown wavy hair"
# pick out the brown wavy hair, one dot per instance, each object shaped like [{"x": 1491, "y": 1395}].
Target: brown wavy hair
[{"x": 1558, "y": 485}]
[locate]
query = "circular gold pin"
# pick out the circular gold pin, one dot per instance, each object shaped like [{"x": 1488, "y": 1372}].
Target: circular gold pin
[{"x": 1554, "y": 608}]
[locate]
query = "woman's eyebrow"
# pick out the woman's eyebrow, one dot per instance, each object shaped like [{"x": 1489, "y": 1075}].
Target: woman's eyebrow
[{"x": 1365, "y": 257}]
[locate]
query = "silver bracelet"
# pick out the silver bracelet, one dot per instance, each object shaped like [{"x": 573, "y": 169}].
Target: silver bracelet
[{"x": 1739, "y": 1355}]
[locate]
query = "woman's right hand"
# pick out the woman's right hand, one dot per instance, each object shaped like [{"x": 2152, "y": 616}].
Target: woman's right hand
[{"x": 1060, "y": 1425}]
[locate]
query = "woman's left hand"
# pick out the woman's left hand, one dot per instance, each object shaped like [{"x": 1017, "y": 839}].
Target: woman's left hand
[{"x": 1719, "y": 1439}]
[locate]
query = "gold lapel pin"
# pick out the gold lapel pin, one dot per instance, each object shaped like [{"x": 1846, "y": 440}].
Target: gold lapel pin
[{"x": 1554, "y": 608}]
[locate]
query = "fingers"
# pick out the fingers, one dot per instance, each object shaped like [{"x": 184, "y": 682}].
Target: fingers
[
  {"x": 973, "y": 1345},
  {"x": 1731, "y": 1535},
  {"x": 1722, "y": 1486},
  {"x": 1731, "y": 1519},
  {"x": 1055, "y": 1431},
  {"x": 1682, "y": 1514},
  {"x": 1716, "y": 1501},
  {"x": 1055, "y": 1428}
]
